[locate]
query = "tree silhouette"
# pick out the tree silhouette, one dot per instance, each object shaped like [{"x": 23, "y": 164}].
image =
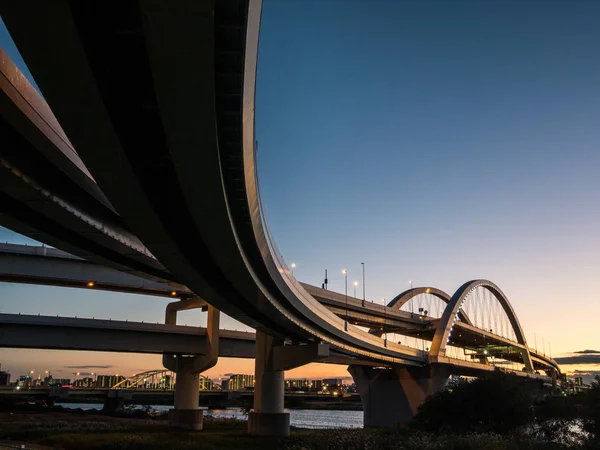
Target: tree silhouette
[{"x": 499, "y": 402}]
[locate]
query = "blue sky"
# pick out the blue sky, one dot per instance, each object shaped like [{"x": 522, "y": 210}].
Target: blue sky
[{"x": 435, "y": 141}]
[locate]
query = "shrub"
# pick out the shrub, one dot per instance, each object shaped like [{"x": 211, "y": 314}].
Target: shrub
[{"x": 499, "y": 403}]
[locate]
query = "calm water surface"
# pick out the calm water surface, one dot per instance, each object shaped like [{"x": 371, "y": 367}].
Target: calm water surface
[{"x": 303, "y": 418}]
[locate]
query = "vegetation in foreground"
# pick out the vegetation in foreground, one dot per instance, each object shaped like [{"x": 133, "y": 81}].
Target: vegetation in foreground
[
  {"x": 231, "y": 434},
  {"x": 502, "y": 412},
  {"x": 513, "y": 406}
]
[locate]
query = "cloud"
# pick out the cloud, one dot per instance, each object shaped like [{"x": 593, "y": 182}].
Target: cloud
[
  {"x": 579, "y": 359},
  {"x": 88, "y": 367},
  {"x": 587, "y": 372}
]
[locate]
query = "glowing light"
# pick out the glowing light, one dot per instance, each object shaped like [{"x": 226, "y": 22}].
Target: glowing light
[
  {"x": 344, "y": 271},
  {"x": 427, "y": 291},
  {"x": 91, "y": 284},
  {"x": 293, "y": 265},
  {"x": 173, "y": 293},
  {"x": 355, "y": 283}
]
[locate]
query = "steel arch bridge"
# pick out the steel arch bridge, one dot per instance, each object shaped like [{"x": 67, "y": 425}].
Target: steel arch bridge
[
  {"x": 478, "y": 318},
  {"x": 152, "y": 379}
]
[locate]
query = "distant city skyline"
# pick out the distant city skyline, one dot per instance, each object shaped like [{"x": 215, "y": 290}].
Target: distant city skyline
[{"x": 435, "y": 141}]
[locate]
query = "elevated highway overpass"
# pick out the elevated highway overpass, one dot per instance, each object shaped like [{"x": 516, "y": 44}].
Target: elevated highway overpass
[
  {"x": 140, "y": 144},
  {"x": 85, "y": 334},
  {"x": 50, "y": 266}
]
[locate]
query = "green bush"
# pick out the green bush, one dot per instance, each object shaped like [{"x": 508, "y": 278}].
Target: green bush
[{"x": 499, "y": 403}]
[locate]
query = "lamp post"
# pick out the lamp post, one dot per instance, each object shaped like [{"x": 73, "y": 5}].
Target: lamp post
[
  {"x": 293, "y": 267},
  {"x": 384, "y": 322},
  {"x": 355, "y": 284},
  {"x": 345, "y": 272},
  {"x": 364, "y": 303}
]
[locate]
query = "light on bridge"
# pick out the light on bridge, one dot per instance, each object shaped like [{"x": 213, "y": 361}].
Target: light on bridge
[
  {"x": 91, "y": 284},
  {"x": 173, "y": 293}
]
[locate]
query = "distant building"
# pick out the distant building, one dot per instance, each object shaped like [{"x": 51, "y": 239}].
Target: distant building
[
  {"x": 108, "y": 381},
  {"x": 303, "y": 384},
  {"x": 59, "y": 382},
  {"x": 4, "y": 378},
  {"x": 239, "y": 382},
  {"x": 333, "y": 386},
  {"x": 578, "y": 381},
  {"x": 86, "y": 383},
  {"x": 333, "y": 381},
  {"x": 25, "y": 381}
]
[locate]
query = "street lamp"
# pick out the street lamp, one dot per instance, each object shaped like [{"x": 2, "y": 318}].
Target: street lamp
[
  {"x": 293, "y": 267},
  {"x": 364, "y": 303},
  {"x": 384, "y": 321},
  {"x": 345, "y": 272},
  {"x": 355, "y": 284}
]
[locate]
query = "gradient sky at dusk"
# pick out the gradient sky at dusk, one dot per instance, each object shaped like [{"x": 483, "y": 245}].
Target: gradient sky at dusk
[{"x": 435, "y": 141}]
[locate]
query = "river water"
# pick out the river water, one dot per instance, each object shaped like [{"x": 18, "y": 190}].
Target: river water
[{"x": 302, "y": 418}]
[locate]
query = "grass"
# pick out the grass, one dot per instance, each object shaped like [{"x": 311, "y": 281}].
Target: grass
[{"x": 97, "y": 433}]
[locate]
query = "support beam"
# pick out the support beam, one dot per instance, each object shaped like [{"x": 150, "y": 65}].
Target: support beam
[
  {"x": 268, "y": 418},
  {"x": 288, "y": 357},
  {"x": 188, "y": 368},
  {"x": 391, "y": 396}
]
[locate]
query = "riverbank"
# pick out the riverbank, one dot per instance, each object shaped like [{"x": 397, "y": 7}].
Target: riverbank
[{"x": 72, "y": 431}]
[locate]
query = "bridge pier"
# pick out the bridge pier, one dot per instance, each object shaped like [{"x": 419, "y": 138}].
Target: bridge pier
[
  {"x": 115, "y": 399},
  {"x": 187, "y": 394},
  {"x": 268, "y": 418},
  {"x": 391, "y": 396},
  {"x": 188, "y": 368}
]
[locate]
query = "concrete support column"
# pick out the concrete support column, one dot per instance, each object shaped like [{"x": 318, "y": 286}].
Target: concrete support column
[
  {"x": 188, "y": 368},
  {"x": 268, "y": 418},
  {"x": 187, "y": 386},
  {"x": 115, "y": 400},
  {"x": 390, "y": 397},
  {"x": 187, "y": 394}
]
